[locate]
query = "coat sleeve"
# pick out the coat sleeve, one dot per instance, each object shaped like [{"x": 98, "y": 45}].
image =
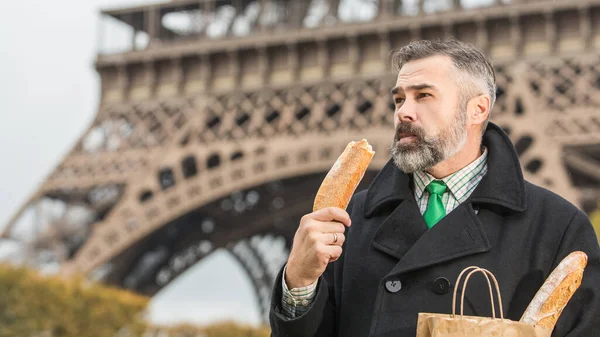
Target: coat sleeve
[
  {"x": 320, "y": 320},
  {"x": 581, "y": 316},
  {"x": 317, "y": 321}
]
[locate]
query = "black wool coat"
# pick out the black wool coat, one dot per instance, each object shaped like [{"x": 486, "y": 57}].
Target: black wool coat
[{"x": 393, "y": 267}]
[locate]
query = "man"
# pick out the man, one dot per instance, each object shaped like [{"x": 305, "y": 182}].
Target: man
[{"x": 452, "y": 196}]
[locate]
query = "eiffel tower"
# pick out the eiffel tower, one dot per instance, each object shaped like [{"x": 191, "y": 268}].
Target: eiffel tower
[{"x": 219, "y": 119}]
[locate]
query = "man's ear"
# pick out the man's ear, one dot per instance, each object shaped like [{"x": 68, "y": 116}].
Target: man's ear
[{"x": 478, "y": 109}]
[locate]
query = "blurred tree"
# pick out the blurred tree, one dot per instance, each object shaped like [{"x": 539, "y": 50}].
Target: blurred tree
[
  {"x": 35, "y": 305},
  {"x": 221, "y": 329},
  {"x": 49, "y": 306},
  {"x": 595, "y": 218}
]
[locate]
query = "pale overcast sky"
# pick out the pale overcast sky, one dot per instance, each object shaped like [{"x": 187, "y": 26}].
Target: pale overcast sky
[{"x": 49, "y": 93}]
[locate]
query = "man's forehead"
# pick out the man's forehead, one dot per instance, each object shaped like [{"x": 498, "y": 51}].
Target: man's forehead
[
  {"x": 416, "y": 80},
  {"x": 431, "y": 70}
]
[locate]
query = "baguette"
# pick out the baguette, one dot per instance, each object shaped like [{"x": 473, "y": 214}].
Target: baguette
[
  {"x": 341, "y": 181},
  {"x": 550, "y": 300}
]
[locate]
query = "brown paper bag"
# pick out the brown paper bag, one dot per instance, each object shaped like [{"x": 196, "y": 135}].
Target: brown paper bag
[{"x": 445, "y": 325}]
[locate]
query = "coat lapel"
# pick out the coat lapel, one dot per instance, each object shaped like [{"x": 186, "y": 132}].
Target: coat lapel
[
  {"x": 458, "y": 234},
  {"x": 400, "y": 230}
]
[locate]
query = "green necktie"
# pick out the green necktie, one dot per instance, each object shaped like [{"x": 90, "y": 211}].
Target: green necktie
[{"x": 435, "y": 207}]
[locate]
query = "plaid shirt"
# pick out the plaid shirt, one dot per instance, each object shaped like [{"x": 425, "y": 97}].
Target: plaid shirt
[{"x": 460, "y": 185}]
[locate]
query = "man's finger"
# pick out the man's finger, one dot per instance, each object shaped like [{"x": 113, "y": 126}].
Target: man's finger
[
  {"x": 332, "y": 214},
  {"x": 331, "y": 227},
  {"x": 334, "y": 252},
  {"x": 336, "y": 239}
]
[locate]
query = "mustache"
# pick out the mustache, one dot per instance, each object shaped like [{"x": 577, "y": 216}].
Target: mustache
[{"x": 405, "y": 127}]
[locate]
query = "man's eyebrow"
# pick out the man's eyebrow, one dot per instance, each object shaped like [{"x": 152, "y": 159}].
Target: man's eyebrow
[{"x": 396, "y": 90}]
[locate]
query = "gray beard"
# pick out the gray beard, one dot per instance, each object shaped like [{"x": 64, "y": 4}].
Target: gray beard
[
  {"x": 426, "y": 152},
  {"x": 418, "y": 158}
]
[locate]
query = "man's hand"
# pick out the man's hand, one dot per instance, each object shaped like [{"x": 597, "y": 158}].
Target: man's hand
[{"x": 317, "y": 242}]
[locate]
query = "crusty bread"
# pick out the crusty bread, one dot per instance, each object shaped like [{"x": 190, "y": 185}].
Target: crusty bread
[
  {"x": 341, "y": 181},
  {"x": 549, "y": 302}
]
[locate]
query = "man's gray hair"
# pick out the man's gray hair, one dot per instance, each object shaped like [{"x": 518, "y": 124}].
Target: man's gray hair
[{"x": 475, "y": 72}]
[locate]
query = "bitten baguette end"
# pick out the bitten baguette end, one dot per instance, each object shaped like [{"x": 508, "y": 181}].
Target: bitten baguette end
[{"x": 341, "y": 181}]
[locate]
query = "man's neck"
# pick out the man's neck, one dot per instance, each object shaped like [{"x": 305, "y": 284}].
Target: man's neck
[{"x": 468, "y": 154}]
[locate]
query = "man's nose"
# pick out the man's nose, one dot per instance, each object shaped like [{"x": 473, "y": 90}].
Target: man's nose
[{"x": 407, "y": 112}]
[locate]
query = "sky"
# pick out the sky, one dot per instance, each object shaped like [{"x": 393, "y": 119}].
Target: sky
[{"x": 49, "y": 94}]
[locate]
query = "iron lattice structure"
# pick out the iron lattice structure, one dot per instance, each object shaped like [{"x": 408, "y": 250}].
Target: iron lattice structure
[{"x": 210, "y": 138}]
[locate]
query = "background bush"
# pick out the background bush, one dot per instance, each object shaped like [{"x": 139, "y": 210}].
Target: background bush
[
  {"x": 595, "y": 218},
  {"x": 32, "y": 305},
  {"x": 221, "y": 329}
]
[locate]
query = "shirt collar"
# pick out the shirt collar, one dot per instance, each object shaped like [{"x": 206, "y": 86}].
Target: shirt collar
[{"x": 422, "y": 178}]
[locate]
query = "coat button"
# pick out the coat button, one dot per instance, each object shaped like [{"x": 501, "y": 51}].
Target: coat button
[
  {"x": 441, "y": 285},
  {"x": 393, "y": 286}
]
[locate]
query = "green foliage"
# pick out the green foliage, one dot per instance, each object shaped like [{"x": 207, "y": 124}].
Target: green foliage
[
  {"x": 595, "y": 218},
  {"x": 34, "y": 305},
  {"x": 222, "y": 329}
]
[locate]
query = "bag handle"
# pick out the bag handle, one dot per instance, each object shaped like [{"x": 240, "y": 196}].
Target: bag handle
[
  {"x": 462, "y": 301},
  {"x": 485, "y": 272}
]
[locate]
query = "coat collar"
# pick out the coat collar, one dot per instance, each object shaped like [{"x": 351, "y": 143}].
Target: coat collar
[{"x": 503, "y": 184}]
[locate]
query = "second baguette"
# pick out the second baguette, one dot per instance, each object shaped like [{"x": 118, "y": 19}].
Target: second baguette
[{"x": 548, "y": 303}]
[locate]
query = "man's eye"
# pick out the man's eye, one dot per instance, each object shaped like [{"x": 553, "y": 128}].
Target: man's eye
[
  {"x": 399, "y": 100},
  {"x": 424, "y": 94}
]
